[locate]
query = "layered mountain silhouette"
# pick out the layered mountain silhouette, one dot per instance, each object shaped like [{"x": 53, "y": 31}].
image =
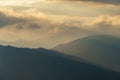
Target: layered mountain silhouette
[
  {"x": 99, "y": 49},
  {"x": 43, "y": 64}
]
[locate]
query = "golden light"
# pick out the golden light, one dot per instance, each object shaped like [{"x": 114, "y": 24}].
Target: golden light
[
  {"x": 10, "y": 2},
  {"x": 18, "y": 2}
]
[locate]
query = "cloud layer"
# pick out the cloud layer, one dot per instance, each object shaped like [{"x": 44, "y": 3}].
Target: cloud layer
[
  {"x": 47, "y": 30},
  {"x": 98, "y": 1}
]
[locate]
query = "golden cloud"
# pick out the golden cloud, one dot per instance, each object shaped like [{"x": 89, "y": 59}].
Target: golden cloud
[{"x": 48, "y": 30}]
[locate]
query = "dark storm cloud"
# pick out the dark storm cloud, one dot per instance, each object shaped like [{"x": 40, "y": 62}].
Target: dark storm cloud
[
  {"x": 105, "y": 1},
  {"x": 98, "y": 1},
  {"x": 30, "y": 26},
  {"x": 20, "y": 22},
  {"x": 9, "y": 20}
]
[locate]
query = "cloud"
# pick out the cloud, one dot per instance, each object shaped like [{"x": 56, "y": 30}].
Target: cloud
[
  {"x": 7, "y": 20},
  {"x": 48, "y": 30},
  {"x": 105, "y": 24},
  {"x": 117, "y": 2}
]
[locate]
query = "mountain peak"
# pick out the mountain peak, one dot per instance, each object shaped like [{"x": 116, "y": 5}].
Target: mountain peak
[{"x": 102, "y": 50}]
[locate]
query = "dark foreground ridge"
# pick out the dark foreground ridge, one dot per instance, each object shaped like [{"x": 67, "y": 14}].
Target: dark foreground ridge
[{"x": 42, "y": 64}]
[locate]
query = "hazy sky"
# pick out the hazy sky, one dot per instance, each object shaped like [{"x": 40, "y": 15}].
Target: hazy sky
[{"x": 47, "y": 23}]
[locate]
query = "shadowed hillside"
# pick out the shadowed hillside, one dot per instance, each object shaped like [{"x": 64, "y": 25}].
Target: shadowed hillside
[
  {"x": 100, "y": 49},
  {"x": 42, "y": 64}
]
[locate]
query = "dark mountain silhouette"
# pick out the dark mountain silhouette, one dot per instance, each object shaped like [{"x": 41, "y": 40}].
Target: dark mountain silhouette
[
  {"x": 100, "y": 49},
  {"x": 43, "y": 64}
]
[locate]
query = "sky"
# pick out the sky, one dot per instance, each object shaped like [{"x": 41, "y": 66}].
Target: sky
[{"x": 47, "y": 23}]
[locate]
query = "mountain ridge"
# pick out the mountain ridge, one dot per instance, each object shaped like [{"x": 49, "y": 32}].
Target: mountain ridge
[
  {"x": 97, "y": 49},
  {"x": 43, "y": 64}
]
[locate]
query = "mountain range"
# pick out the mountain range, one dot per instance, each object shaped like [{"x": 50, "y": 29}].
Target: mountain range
[{"x": 44, "y": 64}]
